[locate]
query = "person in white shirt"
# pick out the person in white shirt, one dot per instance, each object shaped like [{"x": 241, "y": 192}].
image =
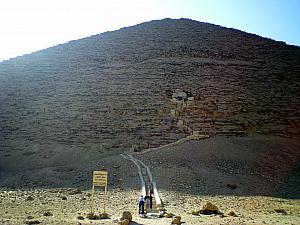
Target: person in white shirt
[{"x": 141, "y": 205}]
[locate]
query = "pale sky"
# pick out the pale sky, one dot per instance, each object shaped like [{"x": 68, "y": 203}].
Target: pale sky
[{"x": 31, "y": 25}]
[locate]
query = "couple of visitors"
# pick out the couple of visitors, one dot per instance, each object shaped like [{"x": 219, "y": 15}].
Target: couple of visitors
[{"x": 147, "y": 199}]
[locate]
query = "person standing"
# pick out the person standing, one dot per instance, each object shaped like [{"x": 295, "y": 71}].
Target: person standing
[
  {"x": 150, "y": 198},
  {"x": 147, "y": 201},
  {"x": 141, "y": 205}
]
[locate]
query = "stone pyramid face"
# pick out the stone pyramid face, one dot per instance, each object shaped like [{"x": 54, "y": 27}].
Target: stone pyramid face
[{"x": 113, "y": 90}]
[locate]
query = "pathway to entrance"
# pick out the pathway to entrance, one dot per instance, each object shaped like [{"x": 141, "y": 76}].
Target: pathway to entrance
[{"x": 148, "y": 186}]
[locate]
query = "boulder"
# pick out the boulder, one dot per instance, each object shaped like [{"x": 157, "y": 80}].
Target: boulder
[
  {"x": 126, "y": 215},
  {"x": 209, "y": 209},
  {"x": 176, "y": 220},
  {"x": 124, "y": 222}
]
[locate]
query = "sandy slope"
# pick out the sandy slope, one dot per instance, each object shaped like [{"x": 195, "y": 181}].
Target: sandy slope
[{"x": 258, "y": 165}]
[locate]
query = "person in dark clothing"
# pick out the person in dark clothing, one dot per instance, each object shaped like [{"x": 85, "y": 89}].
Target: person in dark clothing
[
  {"x": 148, "y": 200},
  {"x": 150, "y": 197},
  {"x": 141, "y": 205}
]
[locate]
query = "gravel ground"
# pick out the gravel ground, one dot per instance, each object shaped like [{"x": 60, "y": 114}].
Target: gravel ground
[{"x": 16, "y": 209}]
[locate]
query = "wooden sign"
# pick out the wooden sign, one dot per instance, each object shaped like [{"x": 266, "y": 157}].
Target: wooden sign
[{"x": 100, "y": 178}]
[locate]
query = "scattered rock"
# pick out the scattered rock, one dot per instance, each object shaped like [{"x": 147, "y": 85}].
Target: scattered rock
[
  {"x": 196, "y": 213},
  {"x": 47, "y": 213},
  {"x": 282, "y": 211},
  {"x": 176, "y": 220},
  {"x": 32, "y": 222},
  {"x": 63, "y": 198},
  {"x": 231, "y": 213},
  {"x": 74, "y": 191},
  {"x": 126, "y": 215},
  {"x": 80, "y": 217},
  {"x": 169, "y": 215},
  {"x": 103, "y": 216},
  {"x": 91, "y": 216},
  {"x": 29, "y": 217},
  {"x": 29, "y": 198},
  {"x": 209, "y": 209}
]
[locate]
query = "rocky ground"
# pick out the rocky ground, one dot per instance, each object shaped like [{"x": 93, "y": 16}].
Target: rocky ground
[
  {"x": 264, "y": 189},
  {"x": 64, "y": 207}
]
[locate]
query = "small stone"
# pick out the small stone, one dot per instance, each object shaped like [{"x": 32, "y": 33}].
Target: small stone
[
  {"x": 75, "y": 191},
  {"x": 196, "y": 213},
  {"x": 80, "y": 217},
  {"x": 29, "y": 198},
  {"x": 63, "y": 198},
  {"x": 231, "y": 213},
  {"x": 91, "y": 216},
  {"x": 282, "y": 211},
  {"x": 47, "y": 214},
  {"x": 103, "y": 216},
  {"x": 169, "y": 215},
  {"x": 32, "y": 222}
]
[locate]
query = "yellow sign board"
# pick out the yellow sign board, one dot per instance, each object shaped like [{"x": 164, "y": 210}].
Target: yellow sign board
[{"x": 100, "y": 178}]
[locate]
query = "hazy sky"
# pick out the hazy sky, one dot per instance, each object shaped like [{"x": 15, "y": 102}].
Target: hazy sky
[{"x": 30, "y": 25}]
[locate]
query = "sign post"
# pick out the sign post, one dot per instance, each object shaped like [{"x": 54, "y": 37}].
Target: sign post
[{"x": 99, "y": 180}]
